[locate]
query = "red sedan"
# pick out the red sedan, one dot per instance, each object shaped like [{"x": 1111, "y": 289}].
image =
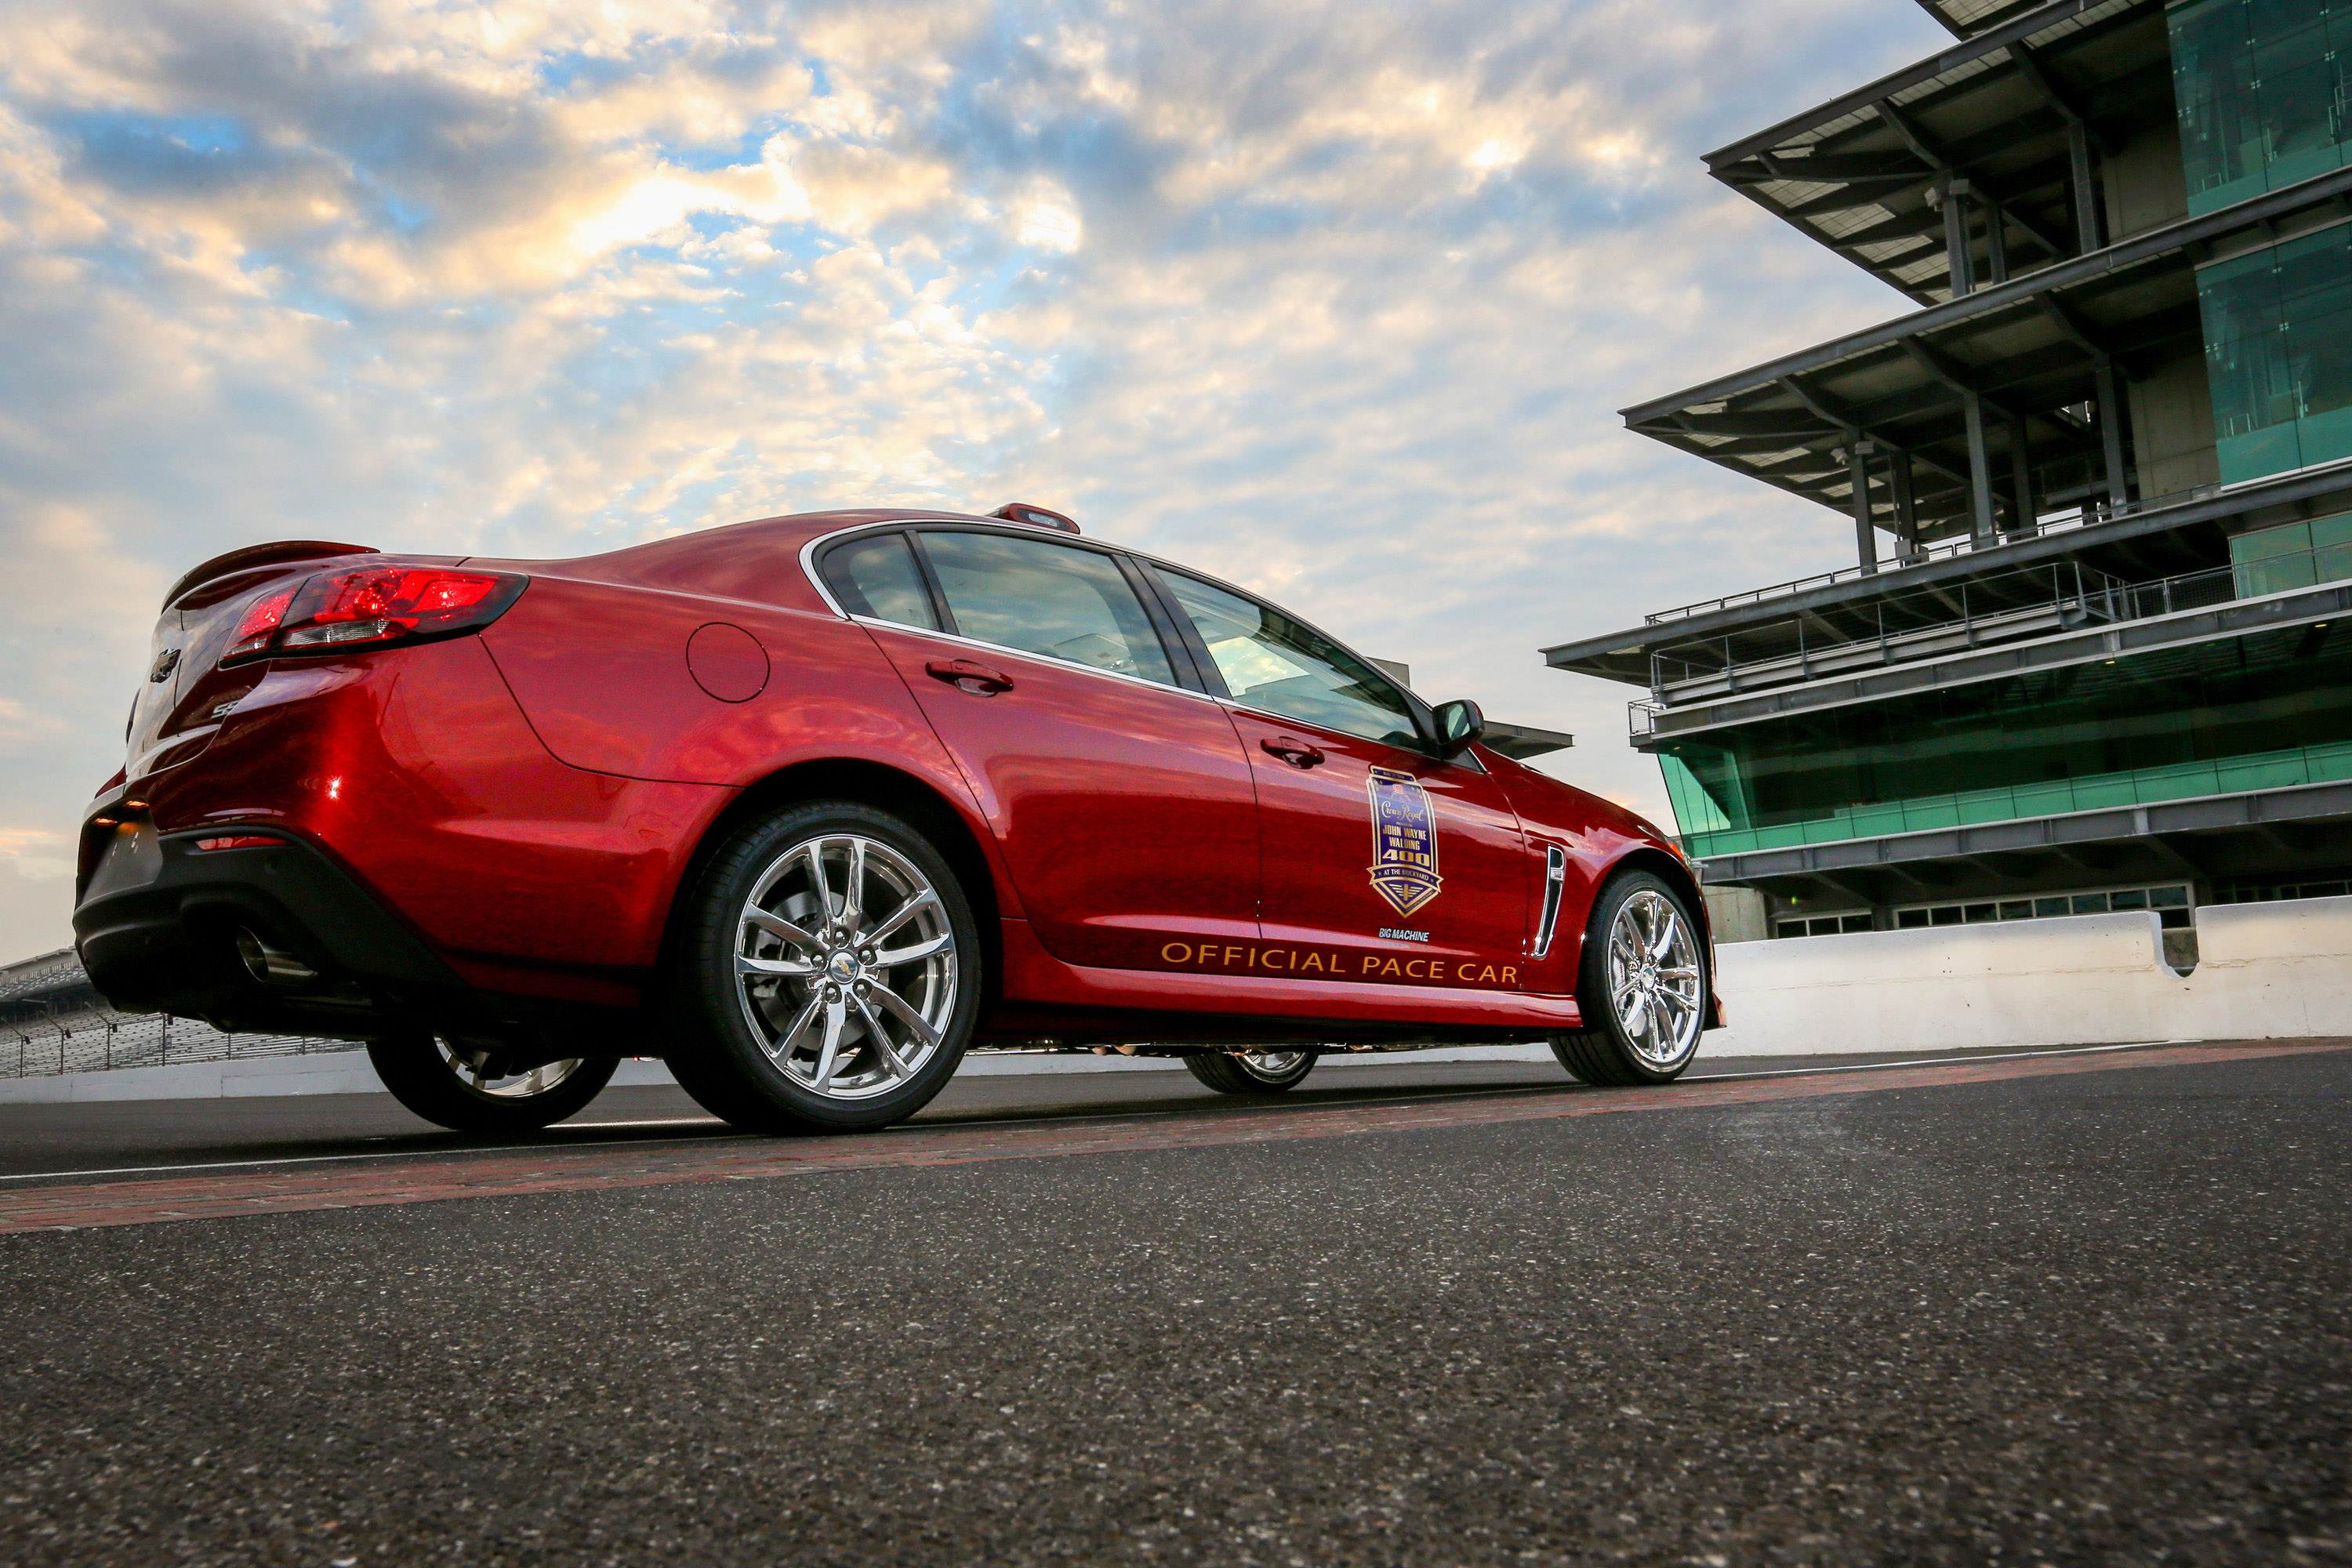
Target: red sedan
[{"x": 810, "y": 806}]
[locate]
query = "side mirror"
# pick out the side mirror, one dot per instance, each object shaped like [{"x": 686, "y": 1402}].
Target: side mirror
[{"x": 1458, "y": 724}]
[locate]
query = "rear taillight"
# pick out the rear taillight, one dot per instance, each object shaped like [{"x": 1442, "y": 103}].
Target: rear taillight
[{"x": 375, "y": 608}]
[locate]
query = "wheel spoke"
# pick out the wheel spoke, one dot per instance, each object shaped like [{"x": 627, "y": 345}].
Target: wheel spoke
[
  {"x": 746, "y": 964},
  {"x": 881, "y": 1039},
  {"x": 784, "y": 1046},
  {"x": 890, "y": 958},
  {"x": 812, "y": 854},
  {"x": 853, "y": 892},
  {"x": 899, "y": 1009},
  {"x": 1668, "y": 928},
  {"x": 926, "y": 899},
  {"x": 836, "y": 1017},
  {"x": 777, "y": 926}
]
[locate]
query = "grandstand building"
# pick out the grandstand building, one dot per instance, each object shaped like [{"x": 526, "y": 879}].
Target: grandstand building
[{"x": 2094, "y": 647}]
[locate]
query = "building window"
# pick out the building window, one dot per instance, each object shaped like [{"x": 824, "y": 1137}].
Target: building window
[
  {"x": 2261, "y": 90},
  {"x": 2278, "y": 354},
  {"x": 2171, "y": 904},
  {"x": 2269, "y": 710},
  {"x": 1821, "y": 925},
  {"x": 2265, "y": 891},
  {"x": 2297, "y": 555}
]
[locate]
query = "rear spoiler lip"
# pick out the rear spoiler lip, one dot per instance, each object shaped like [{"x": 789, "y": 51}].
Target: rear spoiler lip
[{"x": 253, "y": 555}]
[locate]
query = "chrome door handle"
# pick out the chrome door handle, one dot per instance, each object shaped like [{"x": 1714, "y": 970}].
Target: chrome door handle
[
  {"x": 976, "y": 678},
  {"x": 1297, "y": 754}
]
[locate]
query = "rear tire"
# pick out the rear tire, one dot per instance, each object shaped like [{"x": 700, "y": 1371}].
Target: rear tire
[
  {"x": 828, "y": 973},
  {"x": 1642, "y": 987},
  {"x": 460, "y": 1085},
  {"x": 1250, "y": 1072}
]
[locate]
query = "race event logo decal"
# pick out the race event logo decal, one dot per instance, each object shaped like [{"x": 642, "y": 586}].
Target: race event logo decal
[{"x": 1404, "y": 840}]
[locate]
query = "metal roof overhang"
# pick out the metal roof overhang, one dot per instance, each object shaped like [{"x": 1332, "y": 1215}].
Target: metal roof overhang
[
  {"x": 2031, "y": 352},
  {"x": 2015, "y": 110},
  {"x": 1839, "y": 606},
  {"x": 1966, "y": 19}
]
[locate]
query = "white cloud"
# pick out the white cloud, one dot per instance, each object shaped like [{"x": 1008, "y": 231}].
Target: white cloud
[{"x": 1332, "y": 299}]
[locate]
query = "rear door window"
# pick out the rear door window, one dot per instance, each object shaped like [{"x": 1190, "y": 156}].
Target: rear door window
[
  {"x": 1272, "y": 663},
  {"x": 876, "y": 577},
  {"x": 1063, "y": 601}
]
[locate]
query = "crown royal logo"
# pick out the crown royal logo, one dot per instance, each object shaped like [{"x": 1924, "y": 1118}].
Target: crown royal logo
[{"x": 1404, "y": 840}]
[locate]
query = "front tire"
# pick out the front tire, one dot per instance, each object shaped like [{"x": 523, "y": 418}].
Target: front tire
[
  {"x": 1642, "y": 987},
  {"x": 463, "y": 1086},
  {"x": 829, "y": 975},
  {"x": 1250, "y": 1072}
]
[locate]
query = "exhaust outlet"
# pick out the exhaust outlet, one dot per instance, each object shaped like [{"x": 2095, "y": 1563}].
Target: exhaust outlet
[{"x": 271, "y": 965}]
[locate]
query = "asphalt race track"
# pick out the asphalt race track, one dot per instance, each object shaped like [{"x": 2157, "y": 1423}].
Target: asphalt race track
[{"x": 2061, "y": 1307}]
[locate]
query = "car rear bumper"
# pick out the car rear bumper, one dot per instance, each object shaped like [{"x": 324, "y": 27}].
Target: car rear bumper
[{"x": 163, "y": 926}]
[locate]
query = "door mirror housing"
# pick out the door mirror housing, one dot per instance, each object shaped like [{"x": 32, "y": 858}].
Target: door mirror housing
[{"x": 1458, "y": 724}]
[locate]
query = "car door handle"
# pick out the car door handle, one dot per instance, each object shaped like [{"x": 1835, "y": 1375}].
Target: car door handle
[
  {"x": 976, "y": 678},
  {"x": 1297, "y": 754}
]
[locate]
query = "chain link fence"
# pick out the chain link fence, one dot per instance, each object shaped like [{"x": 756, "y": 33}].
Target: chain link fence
[{"x": 52, "y": 1021}]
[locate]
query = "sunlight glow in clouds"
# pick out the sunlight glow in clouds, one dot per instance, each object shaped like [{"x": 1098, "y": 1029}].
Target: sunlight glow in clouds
[{"x": 1332, "y": 298}]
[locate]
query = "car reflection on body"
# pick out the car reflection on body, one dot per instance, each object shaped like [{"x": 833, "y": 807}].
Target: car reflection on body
[{"x": 810, "y": 806}]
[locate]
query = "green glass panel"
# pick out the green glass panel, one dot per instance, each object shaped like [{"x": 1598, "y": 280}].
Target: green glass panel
[
  {"x": 2262, "y": 772},
  {"x": 2269, "y": 709},
  {"x": 2260, "y": 545},
  {"x": 1869, "y": 821},
  {"x": 2326, "y": 435},
  {"x": 1930, "y": 813},
  {"x": 2260, "y": 89},
  {"x": 1998, "y": 807},
  {"x": 2044, "y": 800}
]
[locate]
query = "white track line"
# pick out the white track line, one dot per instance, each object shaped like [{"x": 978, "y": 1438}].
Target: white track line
[{"x": 558, "y": 1148}]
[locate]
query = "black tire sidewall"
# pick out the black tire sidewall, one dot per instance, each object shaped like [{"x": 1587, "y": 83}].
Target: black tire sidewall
[
  {"x": 412, "y": 1068},
  {"x": 714, "y": 1053},
  {"x": 1227, "y": 1073},
  {"x": 1603, "y": 1031}
]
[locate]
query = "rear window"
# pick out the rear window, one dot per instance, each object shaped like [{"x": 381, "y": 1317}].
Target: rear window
[
  {"x": 1063, "y": 601},
  {"x": 876, "y": 577}
]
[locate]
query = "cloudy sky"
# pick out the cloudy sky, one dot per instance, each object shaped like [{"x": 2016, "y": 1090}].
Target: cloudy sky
[{"x": 1333, "y": 300}]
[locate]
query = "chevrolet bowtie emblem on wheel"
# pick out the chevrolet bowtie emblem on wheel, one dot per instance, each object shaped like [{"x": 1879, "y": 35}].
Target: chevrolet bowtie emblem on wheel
[{"x": 1404, "y": 840}]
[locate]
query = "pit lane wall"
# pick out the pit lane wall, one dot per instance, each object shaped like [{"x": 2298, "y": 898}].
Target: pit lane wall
[{"x": 2280, "y": 970}]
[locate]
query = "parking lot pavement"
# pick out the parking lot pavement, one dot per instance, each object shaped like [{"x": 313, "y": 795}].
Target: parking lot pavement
[{"x": 2066, "y": 1310}]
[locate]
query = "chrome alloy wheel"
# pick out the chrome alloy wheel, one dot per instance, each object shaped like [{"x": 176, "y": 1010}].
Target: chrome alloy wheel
[
  {"x": 1654, "y": 979},
  {"x": 477, "y": 1071},
  {"x": 1273, "y": 1064},
  {"x": 845, "y": 966}
]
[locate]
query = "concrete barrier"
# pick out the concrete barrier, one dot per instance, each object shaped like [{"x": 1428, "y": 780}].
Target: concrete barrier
[{"x": 2265, "y": 971}]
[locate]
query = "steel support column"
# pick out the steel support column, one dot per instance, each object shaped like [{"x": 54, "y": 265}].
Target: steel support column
[
  {"x": 1906, "y": 510},
  {"x": 1981, "y": 523},
  {"x": 1996, "y": 243},
  {"x": 2089, "y": 231},
  {"x": 2020, "y": 480},
  {"x": 1866, "y": 534},
  {"x": 2110, "y": 397},
  {"x": 1957, "y": 259}
]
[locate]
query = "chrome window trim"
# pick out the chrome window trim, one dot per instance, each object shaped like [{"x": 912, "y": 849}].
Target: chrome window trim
[
  {"x": 1025, "y": 653},
  {"x": 1026, "y": 531}
]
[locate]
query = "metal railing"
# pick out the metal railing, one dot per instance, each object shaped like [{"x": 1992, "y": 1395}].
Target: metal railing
[
  {"x": 52, "y": 1023},
  {"x": 1790, "y": 653},
  {"x": 1923, "y": 623},
  {"x": 2088, "y": 513}
]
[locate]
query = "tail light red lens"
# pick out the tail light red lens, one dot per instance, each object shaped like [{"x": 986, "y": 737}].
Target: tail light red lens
[
  {"x": 242, "y": 841},
  {"x": 376, "y": 607},
  {"x": 260, "y": 624}
]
